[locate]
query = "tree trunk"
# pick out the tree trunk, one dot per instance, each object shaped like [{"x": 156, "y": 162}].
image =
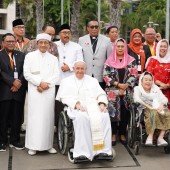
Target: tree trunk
[
  {"x": 22, "y": 13},
  {"x": 74, "y": 20},
  {"x": 39, "y": 15},
  {"x": 115, "y": 13}
]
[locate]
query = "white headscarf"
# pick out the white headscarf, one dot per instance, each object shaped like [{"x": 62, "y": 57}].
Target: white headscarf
[
  {"x": 165, "y": 59},
  {"x": 154, "y": 98},
  {"x": 154, "y": 88}
]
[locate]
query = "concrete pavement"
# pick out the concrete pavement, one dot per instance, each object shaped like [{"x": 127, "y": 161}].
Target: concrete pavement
[{"x": 150, "y": 158}]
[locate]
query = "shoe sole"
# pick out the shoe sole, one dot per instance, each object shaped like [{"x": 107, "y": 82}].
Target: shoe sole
[
  {"x": 3, "y": 150},
  {"x": 32, "y": 154},
  {"x": 150, "y": 145},
  {"x": 12, "y": 146},
  {"x": 162, "y": 144}
]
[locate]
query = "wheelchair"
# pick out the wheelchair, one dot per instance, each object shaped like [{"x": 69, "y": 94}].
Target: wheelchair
[
  {"x": 136, "y": 129},
  {"x": 65, "y": 139}
]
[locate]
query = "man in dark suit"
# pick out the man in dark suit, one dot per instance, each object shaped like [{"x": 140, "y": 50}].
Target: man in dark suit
[{"x": 12, "y": 92}]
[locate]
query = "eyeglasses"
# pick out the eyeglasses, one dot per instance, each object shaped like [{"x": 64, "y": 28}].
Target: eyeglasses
[
  {"x": 150, "y": 35},
  {"x": 10, "y": 42},
  {"x": 43, "y": 42},
  {"x": 66, "y": 32},
  {"x": 94, "y": 26},
  {"x": 20, "y": 27}
]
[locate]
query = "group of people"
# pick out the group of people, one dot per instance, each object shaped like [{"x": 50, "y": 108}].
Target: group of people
[{"x": 92, "y": 77}]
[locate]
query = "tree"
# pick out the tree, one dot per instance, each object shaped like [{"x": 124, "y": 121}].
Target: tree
[
  {"x": 39, "y": 15},
  {"x": 75, "y": 20},
  {"x": 115, "y": 13},
  {"x": 23, "y": 10}
]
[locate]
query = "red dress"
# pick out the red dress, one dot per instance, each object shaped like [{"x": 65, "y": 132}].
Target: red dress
[{"x": 161, "y": 72}]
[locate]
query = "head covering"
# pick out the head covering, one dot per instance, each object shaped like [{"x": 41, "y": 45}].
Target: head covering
[
  {"x": 64, "y": 26},
  {"x": 154, "y": 98},
  {"x": 17, "y": 22},
  {"x": 137, "y": 48},
  {"x": 77, "y": 61},
  {"x": 113, "y": 60},
  {"x": 43, "y": 36},
  {"x": 165, "y": 59}
]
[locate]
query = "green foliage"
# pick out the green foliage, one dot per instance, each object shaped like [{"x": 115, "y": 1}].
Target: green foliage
[
  {"x": 52, "y": 11},
  {"x": 147, "y": 10},
  {"x": 153, "y": 10}
]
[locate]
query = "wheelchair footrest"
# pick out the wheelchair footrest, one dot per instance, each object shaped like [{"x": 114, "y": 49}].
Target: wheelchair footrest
[
  {"x": 103, "y": 156},
  {"x": 81, "y": 159}
]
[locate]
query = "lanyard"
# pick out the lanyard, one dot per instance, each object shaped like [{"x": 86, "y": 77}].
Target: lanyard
[
  {"x": 15, "y": 67},
  {"x": 20, "y": 48}
]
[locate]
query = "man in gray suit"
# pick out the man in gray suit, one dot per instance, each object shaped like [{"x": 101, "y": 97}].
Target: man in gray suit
[{"x": 96, "y": 49}]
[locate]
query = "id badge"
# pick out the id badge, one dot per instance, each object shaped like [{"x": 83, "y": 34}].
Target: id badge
[
  {"x": 139, "y": 67},
  {"x": 15, "y": 75}
]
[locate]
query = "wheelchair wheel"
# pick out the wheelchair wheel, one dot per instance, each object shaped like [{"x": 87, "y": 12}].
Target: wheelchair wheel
[
  {"x": 167, "y": 148},
  {"x": 136, "y": 148},
  {"x": 131, "y": 128},
  {"x": 70, "y": 156},
  {"x": 113, "y": 154},
  {"x": 62, "y": 134}
]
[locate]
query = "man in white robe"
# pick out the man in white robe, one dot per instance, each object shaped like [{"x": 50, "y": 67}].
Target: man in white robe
[
  {"x": 87, "y": 104},
  {"x": 41, "y": 72},
  {"x": 69, "y": 52}
]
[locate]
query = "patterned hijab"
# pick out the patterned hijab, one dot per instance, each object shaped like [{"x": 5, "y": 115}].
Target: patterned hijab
[{"x": 113, "y": 60}]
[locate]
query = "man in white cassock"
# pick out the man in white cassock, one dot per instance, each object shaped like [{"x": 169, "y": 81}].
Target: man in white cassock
[
  {"x": 87, "y": 104},
  {"x": 41, "y": 72}
]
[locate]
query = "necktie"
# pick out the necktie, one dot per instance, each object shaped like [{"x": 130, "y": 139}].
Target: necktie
[{"x": 11, "y": 60}]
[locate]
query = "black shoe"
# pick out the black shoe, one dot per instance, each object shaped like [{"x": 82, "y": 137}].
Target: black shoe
[
  {"x": 2, "y": 147},
  {"x": 124, "y": 142},
  {"x": 81, "y": 158},
  {"x": 17, "y": 146},
  {"x": 103, "y": 156},
  {"x": 113, "y": 143}
]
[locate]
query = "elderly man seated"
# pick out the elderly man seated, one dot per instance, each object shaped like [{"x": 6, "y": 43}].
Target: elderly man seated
[{"x": 87, "y": 107}]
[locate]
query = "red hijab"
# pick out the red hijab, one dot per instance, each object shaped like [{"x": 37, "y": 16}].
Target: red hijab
[{"x": 113, "y": 60}]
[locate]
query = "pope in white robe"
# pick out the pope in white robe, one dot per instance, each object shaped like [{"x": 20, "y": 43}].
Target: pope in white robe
[
  {"x": 41, "y": 72},
  {"x": 87, "y": 104}
]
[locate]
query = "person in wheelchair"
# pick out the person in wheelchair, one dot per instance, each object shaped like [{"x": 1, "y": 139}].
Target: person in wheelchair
[
  {"x": 156, "y": 114},
  {"x": 87, "y": 107}
]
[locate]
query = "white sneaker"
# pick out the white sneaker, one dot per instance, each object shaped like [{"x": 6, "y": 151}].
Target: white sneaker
[
  {"x": 149, "y": 142},
  {"x": 161, "y": 142},
  {"x": 52, "y": 150},
  {"x": 32, "y": 152}
]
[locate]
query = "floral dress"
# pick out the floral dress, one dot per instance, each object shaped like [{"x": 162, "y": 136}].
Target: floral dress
[{"x": 110, "y": 75}]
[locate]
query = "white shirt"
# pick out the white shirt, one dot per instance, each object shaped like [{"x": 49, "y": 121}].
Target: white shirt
[{"x": 68, "y": 54}]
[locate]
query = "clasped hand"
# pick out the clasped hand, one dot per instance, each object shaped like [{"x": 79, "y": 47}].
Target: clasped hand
[
  {"x": 80, "y": 107},
  {"x": 43, "y": 86},
  {"x": 122, "y": 88},
  {"x": 65, "y": 67},
  {"x": 16, "y": 85},
  {"x": 103, "y": 108}
]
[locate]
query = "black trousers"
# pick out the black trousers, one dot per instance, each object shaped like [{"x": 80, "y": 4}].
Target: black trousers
[
  {"x": 121, "y": 126},
  {"x": 58, "y": 106},
  {"x": 10, "y": 110}
]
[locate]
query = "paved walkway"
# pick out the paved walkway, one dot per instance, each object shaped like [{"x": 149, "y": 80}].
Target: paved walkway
[{"x": 150, "y": 158}]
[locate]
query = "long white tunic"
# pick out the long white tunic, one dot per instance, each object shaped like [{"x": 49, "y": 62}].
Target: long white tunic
[
  {"x": 88, "y": 92},
  {"x": 40, "y": 67},
  {"x": 68, "y": 54}
]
